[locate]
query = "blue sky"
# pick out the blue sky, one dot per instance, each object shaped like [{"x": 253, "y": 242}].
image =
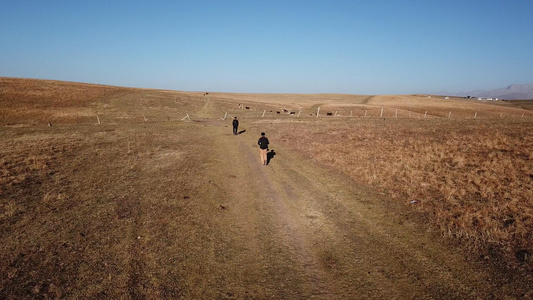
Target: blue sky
[{"x": 357, "y": 47}]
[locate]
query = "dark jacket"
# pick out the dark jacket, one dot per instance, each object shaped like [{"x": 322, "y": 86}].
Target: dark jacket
[
  {"x": 263, "y": 142},
  {"x": 235, "y": 123}
]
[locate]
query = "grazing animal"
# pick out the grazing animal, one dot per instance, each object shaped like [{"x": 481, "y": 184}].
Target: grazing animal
[
  {"x": 292, "y": 113},
  {"x": 329, "y": 114},
  {"x": 278, "y": 112},
  {"x": 247, "y": 107}
]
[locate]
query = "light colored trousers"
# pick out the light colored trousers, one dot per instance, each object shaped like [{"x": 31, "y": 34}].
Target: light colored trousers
[{"x": 263, "y": 153}]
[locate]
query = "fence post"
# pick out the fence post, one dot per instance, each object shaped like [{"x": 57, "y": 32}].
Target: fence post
[
  {"x": 425, "y": 114},
  {"x": 98, "y": 118},
  {"x": 318, "y": 112},
  {"x": 263, "y": 113},
  {"x": 381, "y": 114},
  {"x": 299, "y": 113},
  {"x": 449, "y": 115},
  {"x": 475, "y": 115}
]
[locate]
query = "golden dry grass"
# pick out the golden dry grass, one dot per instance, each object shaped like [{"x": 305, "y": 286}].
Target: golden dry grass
[
  {"x": 472, "y": 178},
  {"x": 36, "y": 101},
  {"x": 26, "y": 102}
]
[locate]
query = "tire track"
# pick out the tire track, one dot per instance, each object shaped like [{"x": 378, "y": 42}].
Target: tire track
[
  {"x": 344, "y": 244},
  {"x": 317, "y": 282},
  {"x": 301, "y": 231}
]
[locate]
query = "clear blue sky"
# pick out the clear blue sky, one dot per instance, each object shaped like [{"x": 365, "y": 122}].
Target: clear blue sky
[{"x": 358, "y": 47}]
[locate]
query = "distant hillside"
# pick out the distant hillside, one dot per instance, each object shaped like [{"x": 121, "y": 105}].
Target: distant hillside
[
  {"x": 512, "y": 92},
  {"x": 42, "y": 101}
]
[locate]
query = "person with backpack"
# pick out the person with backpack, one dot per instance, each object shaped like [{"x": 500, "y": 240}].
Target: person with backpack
[{"x": 263, "y": 148}]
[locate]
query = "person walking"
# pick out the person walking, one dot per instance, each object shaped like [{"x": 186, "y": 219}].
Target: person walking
[
  {"x": 263, "y": 148},
  {"x": 235, "y": 125}
]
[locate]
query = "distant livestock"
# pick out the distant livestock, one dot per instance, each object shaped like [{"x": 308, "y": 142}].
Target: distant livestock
[
  {"x": 329, "y": 114},
  {"x": 292, "y": 113},
  {"x": 278, "y": 112},
  {"x": 247, "y": 107}
]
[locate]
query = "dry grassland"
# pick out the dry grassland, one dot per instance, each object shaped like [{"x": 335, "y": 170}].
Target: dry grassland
[
  {"x": 35, "y": 100},
  {"x": 525, "y": 104},
  {"x": 75, "y": 221},
  {"x": 473, "y": 179},
  {"x": 67, "y": 202},
  {"x": 467, "y": 164}
]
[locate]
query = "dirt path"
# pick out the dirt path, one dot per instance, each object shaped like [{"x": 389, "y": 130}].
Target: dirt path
[{"x": 294, "y": 230}]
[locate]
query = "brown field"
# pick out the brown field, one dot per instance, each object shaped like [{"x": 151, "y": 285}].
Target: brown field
[
  {"x": 525, "y": 104},
  {"x": 472, "y": 180},
  {"x": 394, "y": 197}
]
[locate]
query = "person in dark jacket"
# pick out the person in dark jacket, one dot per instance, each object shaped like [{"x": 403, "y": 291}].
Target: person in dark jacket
[
  {"x": 263, "y": 148},
  {"x": 235, "y": 125}
]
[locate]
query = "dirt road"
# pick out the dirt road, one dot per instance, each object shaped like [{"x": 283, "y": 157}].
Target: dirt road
[{"x": 294, "y": 230}]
